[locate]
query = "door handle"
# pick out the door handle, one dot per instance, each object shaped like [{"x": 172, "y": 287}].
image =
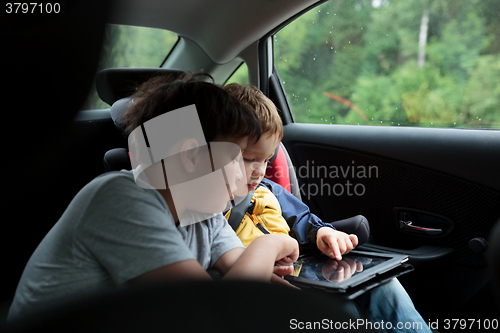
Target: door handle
[
  {"x": 427, "y": 224},
  {"x": 408, "y": 226}
]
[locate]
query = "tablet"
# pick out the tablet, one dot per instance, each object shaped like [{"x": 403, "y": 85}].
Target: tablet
[{"x": 357, "y": 272}]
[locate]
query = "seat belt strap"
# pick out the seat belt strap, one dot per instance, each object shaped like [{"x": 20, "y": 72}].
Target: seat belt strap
[{"x": 238, "y": 211}]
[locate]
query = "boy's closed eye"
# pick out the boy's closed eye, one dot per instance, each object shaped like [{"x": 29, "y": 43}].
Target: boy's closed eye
[{"x": 253, "y": 160}]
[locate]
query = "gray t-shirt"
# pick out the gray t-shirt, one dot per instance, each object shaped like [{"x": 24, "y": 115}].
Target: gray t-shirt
[{"x": 111, "y": 232}]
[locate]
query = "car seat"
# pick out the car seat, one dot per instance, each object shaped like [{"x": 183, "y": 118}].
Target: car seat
[
  {"x": 280, "y": 170},
  {"x": 494, "y": 260}
]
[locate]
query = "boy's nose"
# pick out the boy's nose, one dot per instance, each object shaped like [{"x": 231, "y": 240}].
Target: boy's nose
[
  {"x": 258, "y": 170},
  {"x": 238, "y": 172}
]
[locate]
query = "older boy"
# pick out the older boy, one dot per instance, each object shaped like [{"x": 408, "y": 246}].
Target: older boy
[{"x": 115, "y": 231}]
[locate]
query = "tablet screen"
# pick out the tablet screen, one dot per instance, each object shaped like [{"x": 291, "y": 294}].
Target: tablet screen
[{"x": 322, "y": 268}]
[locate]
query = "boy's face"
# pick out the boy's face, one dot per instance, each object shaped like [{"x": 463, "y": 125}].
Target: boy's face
[
  {"x": 232, "y": 162},
  {"x": 226, "y": 155},
  {"x": 255, "y": 157},
  {"x": 203, "y": 179}
]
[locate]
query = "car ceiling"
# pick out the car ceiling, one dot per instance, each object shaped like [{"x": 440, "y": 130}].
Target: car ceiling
[{"x": 222, "y": 28}]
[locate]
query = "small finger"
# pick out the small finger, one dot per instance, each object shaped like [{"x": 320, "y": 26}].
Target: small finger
[
  {"x": 354, "y": 240},
  {"x": 336, "y": 252},
  {"x": 342, "y": 246}
]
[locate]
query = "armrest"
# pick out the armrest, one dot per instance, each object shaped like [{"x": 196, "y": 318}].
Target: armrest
[{"x": 421, "y": 256}]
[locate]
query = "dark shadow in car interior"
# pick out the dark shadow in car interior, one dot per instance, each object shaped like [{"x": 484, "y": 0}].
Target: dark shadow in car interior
[
  {"x": 494, "y": 260},
  {"x": 47, "y": 159},
  {"x": 196, "y": 306}
]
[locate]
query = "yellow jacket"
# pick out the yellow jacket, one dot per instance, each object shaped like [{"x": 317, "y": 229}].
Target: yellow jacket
[{"x": 265, "y": 218}]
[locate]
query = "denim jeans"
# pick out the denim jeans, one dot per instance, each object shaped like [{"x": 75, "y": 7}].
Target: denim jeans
[{"x": 389, "y": 309}]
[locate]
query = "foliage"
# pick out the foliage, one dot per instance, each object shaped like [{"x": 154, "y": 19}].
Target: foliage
[
  {"x": 366, "y": 52},
  {"x": 240, "y": 75}
]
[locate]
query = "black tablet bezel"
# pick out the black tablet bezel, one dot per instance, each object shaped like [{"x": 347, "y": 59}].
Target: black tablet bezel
[{"x": 393, "y": 260}]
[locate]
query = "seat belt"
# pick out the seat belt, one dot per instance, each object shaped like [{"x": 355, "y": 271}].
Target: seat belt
[{"x": 238, "y": 211}]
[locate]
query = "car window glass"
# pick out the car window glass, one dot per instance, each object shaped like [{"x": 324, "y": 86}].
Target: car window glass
[
  {"x": 129, "y": 46},
  {"x": 395, "y": 63},
  {"x": 240, "y": 75}
]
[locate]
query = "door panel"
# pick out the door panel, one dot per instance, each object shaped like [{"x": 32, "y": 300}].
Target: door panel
[
  {"x": 445, "y": 179},
  {"x": 360, "y": 183},
  {"x": 470, "y": 154}
]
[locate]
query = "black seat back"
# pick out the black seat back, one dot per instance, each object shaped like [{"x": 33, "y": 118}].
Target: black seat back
[
  {"x": 117, "y": 159},
  {"x": 494, "y": 259}
]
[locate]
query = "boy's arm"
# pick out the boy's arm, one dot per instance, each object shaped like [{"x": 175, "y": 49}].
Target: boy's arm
[
  {"x": 257, "y": 261},
  {"x": 306, "y": 224},
  {"x": 253, "y": 263},
  {"x": 228, "y": 259},
  {"x": 179, "y": 271},
  {"x": 308, "y": 229}
]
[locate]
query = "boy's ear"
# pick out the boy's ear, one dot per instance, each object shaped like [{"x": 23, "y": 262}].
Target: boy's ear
[{"x": 189, "y": 154}]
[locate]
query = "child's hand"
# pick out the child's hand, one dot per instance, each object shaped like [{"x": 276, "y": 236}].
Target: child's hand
[
  {"x": 258, "y": 260},
  {"x": 289, "y": 249},
  {"x": 335, "y": 243},
  {"x": 279, "y": 273}
]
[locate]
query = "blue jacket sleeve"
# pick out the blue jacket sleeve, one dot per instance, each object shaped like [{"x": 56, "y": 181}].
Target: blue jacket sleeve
[{"x": 306, "y": 223}]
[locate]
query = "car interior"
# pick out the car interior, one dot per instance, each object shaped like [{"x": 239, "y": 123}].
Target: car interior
[{"x": 431, "y": 192}]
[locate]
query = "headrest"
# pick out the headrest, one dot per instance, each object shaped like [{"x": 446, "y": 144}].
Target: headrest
[
  {"x": 113, "y": 84},
  {"x": 118, "y": 110}
]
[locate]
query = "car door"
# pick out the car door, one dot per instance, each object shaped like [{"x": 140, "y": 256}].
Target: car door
[{"x": 417, "y": 152}]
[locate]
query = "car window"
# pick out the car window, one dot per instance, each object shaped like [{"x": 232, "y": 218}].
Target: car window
[
  {"x": 130, "y": 46},
  {"x": 240, "y": 76},
  {"x": 396, "y": 63}
]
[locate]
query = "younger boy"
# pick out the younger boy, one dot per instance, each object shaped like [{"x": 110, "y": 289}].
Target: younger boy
[
  {"x": 388, "y": 302},
  {"x": 265, "y": 215},
  {"x": 127, "y": 227}
]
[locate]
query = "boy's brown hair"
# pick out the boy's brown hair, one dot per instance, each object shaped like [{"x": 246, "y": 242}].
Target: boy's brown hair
[
  {"x": 270, "y": 120},
  {"x": 220, "y": 113}
]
